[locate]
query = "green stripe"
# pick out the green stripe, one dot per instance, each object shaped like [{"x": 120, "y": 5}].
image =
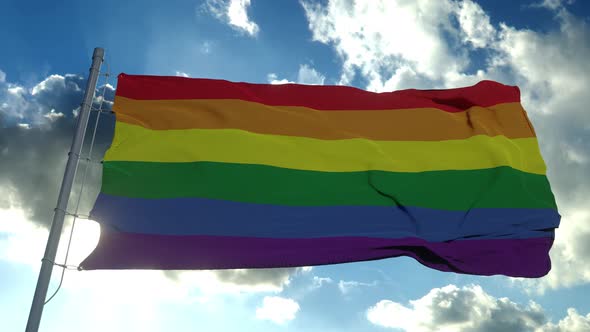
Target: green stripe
[{"x": 449, "y": 190}]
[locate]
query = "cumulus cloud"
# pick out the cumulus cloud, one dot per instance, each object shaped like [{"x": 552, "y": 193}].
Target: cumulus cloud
[
  {"x": 475, "y": 25},
  {"x": 569, "y": 255},
  {"x": 22, "y": 241},
  {"x": 235, "y": 281},
  {"x": 573, "y": 322},
  {"x": 553, "y": 74},
  {"x": 52, "y": 115},
  {"x": 305, "y": 75},
  {"x": 245, "y": 280},
  {"x": 181, "y": 74},
  {"x": 33, "y": 160},
  {"x": 277, "y": 276},
  {"x": 279, "y": 310},
  {"x": 469, "y": 308},
  {"x": 377, "y": 37},
  {"x": 274, "y": 79},
  {"x": 31, "y": 167},
  {"x": 37, "y": 127},
  {"x": 20, "y": 104},
  {"x": 234, "y": 13},
  {"x": 238, "y": 280},
  {"x": 308, "y": 75},
  {"x": 430, "y": 44}
]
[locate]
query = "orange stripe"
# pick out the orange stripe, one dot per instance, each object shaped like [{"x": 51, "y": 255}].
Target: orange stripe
[{"x": 419, "y": 124}]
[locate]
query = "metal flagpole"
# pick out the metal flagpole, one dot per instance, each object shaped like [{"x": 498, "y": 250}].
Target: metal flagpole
[{"x": 64, "y": 195}]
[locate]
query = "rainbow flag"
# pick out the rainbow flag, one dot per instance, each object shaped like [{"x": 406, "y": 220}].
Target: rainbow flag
[{"x": 211, "y": 174}]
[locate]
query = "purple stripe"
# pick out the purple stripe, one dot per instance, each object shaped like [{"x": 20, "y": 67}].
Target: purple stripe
[{"x": 511, "y": 257}]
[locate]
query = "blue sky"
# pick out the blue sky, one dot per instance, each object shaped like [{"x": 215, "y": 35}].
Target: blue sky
[{"x": 541, "y": 46}]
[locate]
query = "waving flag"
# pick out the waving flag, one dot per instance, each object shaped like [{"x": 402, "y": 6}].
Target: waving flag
[{"x": 211, "y": 174}]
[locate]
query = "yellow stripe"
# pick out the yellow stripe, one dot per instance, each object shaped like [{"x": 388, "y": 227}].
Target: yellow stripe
[{"x": 135, "y": 143}]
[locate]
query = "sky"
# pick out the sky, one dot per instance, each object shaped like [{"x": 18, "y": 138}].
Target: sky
[{"x": 540, "y": 45}]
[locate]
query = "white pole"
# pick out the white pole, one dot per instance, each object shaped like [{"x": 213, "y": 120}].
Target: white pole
[{"x": 64, "y": 196}]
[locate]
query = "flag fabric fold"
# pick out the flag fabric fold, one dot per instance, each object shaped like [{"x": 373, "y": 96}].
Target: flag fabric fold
[{"x": 211, "y": 174}]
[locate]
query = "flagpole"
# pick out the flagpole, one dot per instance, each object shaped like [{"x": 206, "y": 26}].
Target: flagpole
[{"x": 64, "y": 195}]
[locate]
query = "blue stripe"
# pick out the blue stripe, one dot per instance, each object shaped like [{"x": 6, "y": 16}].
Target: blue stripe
[{"x": 199, "y": 216}]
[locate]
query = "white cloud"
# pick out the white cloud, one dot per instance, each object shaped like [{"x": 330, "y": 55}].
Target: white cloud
[
  {"x": 33, "y": 105},
  {"x": 573, "y": 322},
  {"x": 181, "y": 74},
  {"x": 274, "y": 79},
  {"x": 346, "y": 287},
  {"x": 305, "y": 75},
  {"x": 469, "y": 308},
  {"x": 234, "y": 13},
  {"x": 233, "y": 282},
  {"x": 238, "y": 16},
  {"x": 553, "y": 4},
  {"x": 121, "y": 297},
  {"x": 52, "y": 115},
  {"x": 137, "y": 294},
  {"x": 16, "y": 90},
  {"x": 318, "y": 282},
  {"x": 23, "y": 242},
  {"x": 306, "y": 269},
  {"x": 255, "y": 280},
  {"x": 277, "y": 309},
  {"x": 569, "y": 255},
  {"x": 376, "y": 37},
  {"x": 37, "y": 130},
  {"x": 308, "y": 75},
  {"x": 32, "y": 166},
  {"x": 2, "y": 76},
  {"x": 425, "y": 48},
  {"x": 14, "y": 104},
  {"x": 552, "y": 72},
  {"x": 475, "y": 24},
  {"x": 315, "y": 284},
  {"x": 49, "y": 84}
]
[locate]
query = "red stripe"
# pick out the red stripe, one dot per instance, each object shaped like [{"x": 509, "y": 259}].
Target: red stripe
[{"x": 484, "y": 93}]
